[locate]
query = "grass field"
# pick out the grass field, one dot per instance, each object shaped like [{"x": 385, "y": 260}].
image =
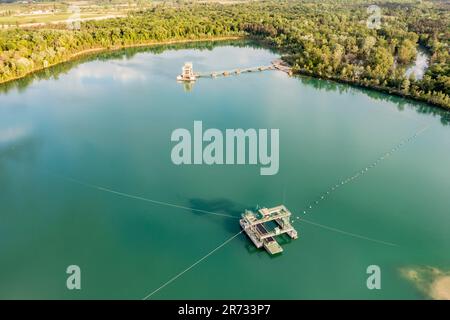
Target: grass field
[
  {"x": 12, "y": 14},
  {"x": 39, "y": 13},
  {"x": 28, "y": 11},
  {"x": 47, "y": 18}
]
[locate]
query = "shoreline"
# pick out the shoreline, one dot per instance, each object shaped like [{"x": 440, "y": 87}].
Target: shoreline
[
  {"x": 92, "y": 51},
  {"x": 96, "y": 50},
  {"x": 386, "y": 90}
]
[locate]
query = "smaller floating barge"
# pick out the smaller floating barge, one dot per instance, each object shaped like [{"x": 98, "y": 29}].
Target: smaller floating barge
[{"x": 253, "y": 224}]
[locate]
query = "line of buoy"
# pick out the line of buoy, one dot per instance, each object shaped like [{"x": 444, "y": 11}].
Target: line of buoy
[{"x": 360, "y": 173}]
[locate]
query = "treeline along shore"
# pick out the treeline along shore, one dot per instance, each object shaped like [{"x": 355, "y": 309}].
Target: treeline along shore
[
  {"x": 327, "y": 39},
  {"x": 96, "y": 50}
]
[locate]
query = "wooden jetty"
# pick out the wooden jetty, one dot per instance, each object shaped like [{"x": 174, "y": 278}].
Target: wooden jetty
[
  {"x": 189, "y": 75},
  {"x": 282, "y": 66},
  {"x": 253, "y": 223},
  {"x": 236, "y": 71}
]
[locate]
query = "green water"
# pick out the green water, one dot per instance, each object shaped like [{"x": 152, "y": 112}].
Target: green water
[{"x": 107, "y": 122}]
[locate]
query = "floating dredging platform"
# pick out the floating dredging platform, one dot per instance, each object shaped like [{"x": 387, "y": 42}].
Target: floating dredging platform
[
  {"x": 187, "y": 73},
  {"x": 253, "y": 223}
]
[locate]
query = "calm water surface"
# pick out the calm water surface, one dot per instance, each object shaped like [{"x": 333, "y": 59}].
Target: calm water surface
[
  {"x": 420, "y": 65},
  {"x": 107, "y": 122}
]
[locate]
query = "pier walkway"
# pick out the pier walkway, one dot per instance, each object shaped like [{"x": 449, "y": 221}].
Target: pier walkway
[{"x": 276, "y": 65}]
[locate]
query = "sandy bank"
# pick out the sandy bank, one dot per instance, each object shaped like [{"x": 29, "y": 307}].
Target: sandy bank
[{"x": 432, "y": 282}]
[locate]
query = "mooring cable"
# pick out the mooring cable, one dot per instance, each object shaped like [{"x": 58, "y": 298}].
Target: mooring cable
[
  {"x": 192, "y": 265},
  {"x": 322, "y": 197},
  {"x": 204, "y": 211},
  {"x": 131, "y": 196},
  {"x": 348, "y": 233}
]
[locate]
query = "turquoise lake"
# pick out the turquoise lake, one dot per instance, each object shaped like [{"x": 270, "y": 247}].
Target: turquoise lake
[{"x": 86, "y": 179}]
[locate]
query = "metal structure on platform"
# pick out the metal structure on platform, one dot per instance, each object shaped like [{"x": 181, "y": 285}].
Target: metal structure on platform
[
  {"x": 187, "y": 73},
  {"x": 255, "y": 226}
]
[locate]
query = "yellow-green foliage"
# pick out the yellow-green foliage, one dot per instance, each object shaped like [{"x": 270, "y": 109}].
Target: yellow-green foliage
[{"x": 322, "y": 38}]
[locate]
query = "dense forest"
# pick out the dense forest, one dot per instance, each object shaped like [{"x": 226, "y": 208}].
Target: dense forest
[{"x": 328, "y": 39}]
